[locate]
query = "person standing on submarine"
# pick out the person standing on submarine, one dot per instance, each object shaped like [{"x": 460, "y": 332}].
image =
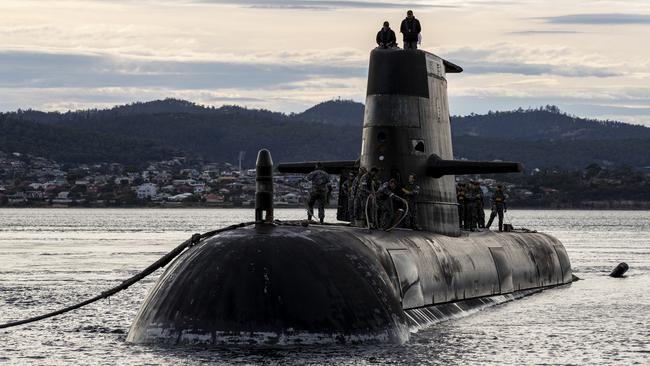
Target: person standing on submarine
[
  {"x": 410, "y": 29},
  {"x": 470, "y": 206},
  {"x": 480, "y": 206},
  {"x": 498, "y": 207},
  {"x": 460, "y": 198},
  {"x": 411, "y": 190},
  {"x": 351, "y": 191},
  {"x": 354, "y": 194},
  {"x": 320, "y": 185},
  {"x": 386, "y": 37},
  {"x": 386, "y": 206},
  {"x": 365, "y": 198}
]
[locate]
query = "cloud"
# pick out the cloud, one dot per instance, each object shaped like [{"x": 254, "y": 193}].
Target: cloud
[
  {"x": 600, "y": 19},
  {"x": 63, "y": 81},
  {"x": 527, "y": 32},
  {"x": 48, "y": 70},
  {"x": 323, "y": 4},
  {"x": 536, "y": 69},
  {"x": 510, "y": 58}
]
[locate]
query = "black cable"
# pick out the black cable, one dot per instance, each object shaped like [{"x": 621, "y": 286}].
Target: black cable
[{"x": 195, "y": 239}]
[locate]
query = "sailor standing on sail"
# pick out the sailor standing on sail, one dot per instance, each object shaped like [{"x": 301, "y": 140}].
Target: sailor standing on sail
[
  {"x": 411, "y": 29},
  {"x": 386, "y": 37},
  {"x": 320, "y": 186}
]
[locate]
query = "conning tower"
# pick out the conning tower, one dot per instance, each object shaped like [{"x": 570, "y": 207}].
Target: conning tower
[
  {"x": 406, "y": 121},
  {"x": 406, "y": 129}
]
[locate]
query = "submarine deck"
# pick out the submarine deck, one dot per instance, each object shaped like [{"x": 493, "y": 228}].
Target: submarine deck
[{"x": 336, "y": 280}]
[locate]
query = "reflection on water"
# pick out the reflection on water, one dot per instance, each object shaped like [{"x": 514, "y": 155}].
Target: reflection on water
[{"x": 51, "y": 258}]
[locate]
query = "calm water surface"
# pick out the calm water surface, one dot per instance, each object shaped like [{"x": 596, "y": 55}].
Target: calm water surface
[{"x": 52, "y": 258}]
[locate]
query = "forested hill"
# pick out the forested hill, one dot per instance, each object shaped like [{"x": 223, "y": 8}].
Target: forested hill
[
  {"x": 137, "y": 132},
  {"x": 71, "y": 145},
  {"x": 335, "y": 112},
  {"x": 546, "y": 123}
]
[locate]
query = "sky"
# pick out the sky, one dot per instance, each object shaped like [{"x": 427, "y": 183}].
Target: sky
[{"x": 590, "y": 58}]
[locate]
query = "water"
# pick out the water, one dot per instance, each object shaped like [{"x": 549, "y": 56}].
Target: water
[{"x": 51, "y": 258}]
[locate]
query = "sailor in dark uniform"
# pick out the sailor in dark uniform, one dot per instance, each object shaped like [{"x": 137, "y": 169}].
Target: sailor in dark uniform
[
  {"x": 498, "y": 207},
  {"x": 320, "y": 186}
]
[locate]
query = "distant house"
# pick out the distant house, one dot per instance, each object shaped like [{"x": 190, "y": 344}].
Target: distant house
[
  {"x": 123, "y": 180},
  {"x": 146, "y": 190},
  {"x": 161, "y": 196},
  {"x": 190, "y": 173},
  {"x": 182, "y": 182},
  {"x": 92, "y": 188},
  {"x": 291, "y": 198},
  {"x": 34, "y": 195},
  {"x": 185, "y": 189},
  {"x": 226, "y": 179},
  {"x": 198, "y": 188},
  {"x": 19, "y": 197},
  {"x": 180, "y": 197},
  {"x": 36, "y": 186},
  {"x": 169, "y": 189},
  {"x": 63, "y": 197},
  {"x": 213, "y": 198}
]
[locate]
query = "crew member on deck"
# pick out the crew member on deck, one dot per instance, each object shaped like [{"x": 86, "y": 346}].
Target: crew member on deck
[
  {"x": 498, "y": 207},
  {"x": 470, "y": 206},
  {"x": 386, "y": 208},
  {"x": 411, "y": 190},
  {"x": 354, "y": 194},
  {"x": 460, "y": 197},
  {"x": 346, "y": 199},
  {"x": 365, "y": 202},
  {"x": 320, "y": 186},
  {"x": 480, "y": 209}
]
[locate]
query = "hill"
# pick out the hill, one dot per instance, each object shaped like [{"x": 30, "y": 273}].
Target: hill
[
  {"x": 212, "y": 133},
  {"x": 71, "y": 145},
  {"x": 133, "y": 133},
  {"x": 334, "y": 112},
  {"x": 546, "y": 123}
]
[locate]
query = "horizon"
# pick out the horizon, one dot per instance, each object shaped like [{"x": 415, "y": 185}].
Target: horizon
[
  {"x": 286, "y": 56},
  {"x": 517, "y": 109}
]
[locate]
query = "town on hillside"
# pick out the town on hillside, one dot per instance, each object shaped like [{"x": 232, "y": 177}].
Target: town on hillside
[{"x": 32, "y": 181}]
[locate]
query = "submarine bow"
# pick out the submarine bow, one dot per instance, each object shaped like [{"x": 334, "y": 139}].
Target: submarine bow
[{"x": 273, "y": 285}]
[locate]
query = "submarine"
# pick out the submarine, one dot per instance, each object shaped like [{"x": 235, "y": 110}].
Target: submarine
[{"x": 277, "y": 282}]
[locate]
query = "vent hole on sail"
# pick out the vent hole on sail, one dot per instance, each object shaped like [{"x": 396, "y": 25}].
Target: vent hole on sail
[{"x": 419, "y": 146}]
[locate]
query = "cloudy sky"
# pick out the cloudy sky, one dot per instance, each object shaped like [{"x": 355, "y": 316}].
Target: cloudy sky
[{"x": 590, "y": 57}]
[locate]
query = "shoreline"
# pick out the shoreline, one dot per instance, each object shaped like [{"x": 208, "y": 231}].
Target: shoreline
[{"x": 230, "y": 207}]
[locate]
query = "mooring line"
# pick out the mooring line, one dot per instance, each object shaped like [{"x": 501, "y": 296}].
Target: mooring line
[{"x": 195, "y": 239}]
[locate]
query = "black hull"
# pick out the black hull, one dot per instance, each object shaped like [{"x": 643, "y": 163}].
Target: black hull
[{"x": 329, "y": 284}]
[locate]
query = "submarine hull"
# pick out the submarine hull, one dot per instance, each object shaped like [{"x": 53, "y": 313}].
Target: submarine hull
[{"x": 329, "y": 284}]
